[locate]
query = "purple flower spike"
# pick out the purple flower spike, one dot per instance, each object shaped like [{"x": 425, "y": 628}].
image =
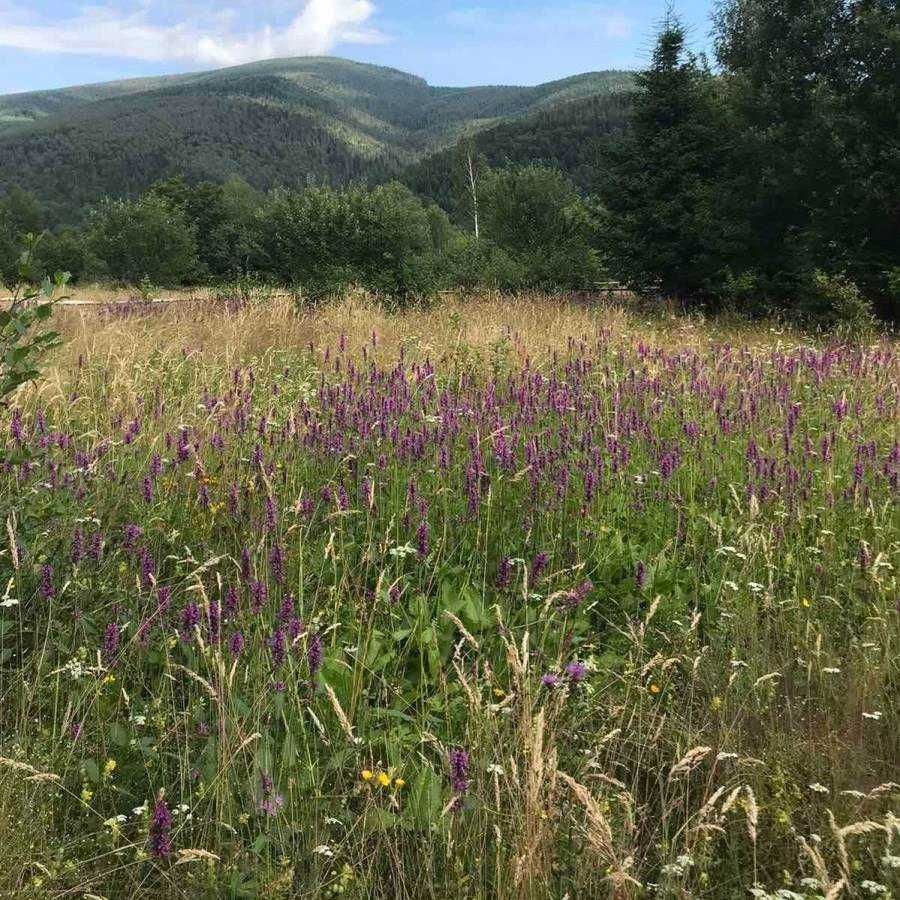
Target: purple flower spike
[{"x": 160, "y": 841}]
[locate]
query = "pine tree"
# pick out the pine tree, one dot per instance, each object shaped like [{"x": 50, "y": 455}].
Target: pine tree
[{"x": 665, "y": 216}]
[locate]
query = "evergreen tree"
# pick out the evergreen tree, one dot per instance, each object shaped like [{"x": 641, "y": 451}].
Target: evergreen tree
[{"x": 665, "y": 217}]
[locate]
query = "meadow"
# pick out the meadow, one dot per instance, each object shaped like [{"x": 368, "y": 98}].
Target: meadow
[{"x": 509, "y": 597}]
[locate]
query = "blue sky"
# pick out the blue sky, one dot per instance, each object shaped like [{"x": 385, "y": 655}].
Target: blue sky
[{"x": 51, "y": 43}]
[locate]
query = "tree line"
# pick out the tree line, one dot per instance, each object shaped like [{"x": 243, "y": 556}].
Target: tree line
[{"x": 321, "y": 239}]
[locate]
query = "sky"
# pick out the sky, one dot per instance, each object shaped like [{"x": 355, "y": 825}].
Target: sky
[{"x": 56, "y": 43}]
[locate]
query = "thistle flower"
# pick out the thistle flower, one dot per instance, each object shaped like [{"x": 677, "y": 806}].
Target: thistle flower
[{"x": 577, "y": 671}]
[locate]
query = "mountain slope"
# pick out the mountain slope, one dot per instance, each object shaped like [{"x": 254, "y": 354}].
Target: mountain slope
[{"x": 273, "y": 122}]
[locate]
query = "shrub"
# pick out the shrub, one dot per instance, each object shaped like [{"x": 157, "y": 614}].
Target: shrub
[{"x": 148, "y": 237}]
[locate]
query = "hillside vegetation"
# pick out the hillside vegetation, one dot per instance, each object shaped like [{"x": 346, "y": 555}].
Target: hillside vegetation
[{"x": 279, "y": 122}]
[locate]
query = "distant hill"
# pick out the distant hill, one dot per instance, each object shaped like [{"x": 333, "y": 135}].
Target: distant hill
[{"x": 280, "y": 122}]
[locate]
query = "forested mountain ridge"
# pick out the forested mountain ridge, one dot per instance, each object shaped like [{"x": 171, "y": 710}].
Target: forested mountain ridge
[{"x": 276, "y": 122}]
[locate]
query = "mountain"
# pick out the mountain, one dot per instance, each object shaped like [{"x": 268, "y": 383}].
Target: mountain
[{"x": 276, "y": 122}]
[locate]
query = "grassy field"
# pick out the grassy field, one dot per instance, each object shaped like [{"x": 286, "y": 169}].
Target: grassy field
[{"x": 506, "y": 599}]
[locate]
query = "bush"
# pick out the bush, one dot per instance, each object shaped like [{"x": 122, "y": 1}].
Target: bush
[
  {"x": 836, "y": 301},
  {"x": 145, "y": 238},
  {"x": 535, "y": 214}
]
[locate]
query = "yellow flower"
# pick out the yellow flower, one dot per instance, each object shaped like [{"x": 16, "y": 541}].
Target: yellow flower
[
  {"x": 398, "y": 783},
  {"x": 805, "y": 603},
  {"x": 655, "y": 688},
  {"x": 86, "y": 795},
  {"x": 499, "y": 692},
  {"x": 110, "y": 767},
  {"x": 384, "y": 779},
  {"x": 367, "y": 774},
  {"x": 110, "y": 679}
]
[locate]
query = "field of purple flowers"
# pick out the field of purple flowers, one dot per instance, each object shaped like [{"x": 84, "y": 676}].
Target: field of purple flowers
[{"x": 503, "y": 600}]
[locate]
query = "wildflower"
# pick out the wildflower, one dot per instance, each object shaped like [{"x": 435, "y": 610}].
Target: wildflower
[
  {"x": 109, "y": 768},
  {"x": 640, "y": 575},
  {"x": 422, "y": 538},
  {"x": 819, "y": 788},
  {"x": 576, "y": 671},
  {"x": 110, "y": 643},
  {"x": 77, "y": 551},
  {"x": 550, "y": 680},
  {"x": 236, "y": 644},
  {"x": 459, "y": 775},
  {"x": 48, "y": 591},
  {"x": 277, "y": 647},
  {"x": 276, "y": 563},
  {"x": 190, "y": 619},
  {"x": 539, "y": 566},
  {"x": 314, "y": 656},
  {"x": 160, "y": 840},
  {"x": 259, "y": 593},
  {"x": 398, "y": 783},
  {"x": 655, "y": 688},
  {"x": 367, "y": 774},
  {"x": 504, "y": 573},
  {"x": 86, "y": 795},
  {"x": 384, "y": 779},
  {"x": 577, "y": 595}
]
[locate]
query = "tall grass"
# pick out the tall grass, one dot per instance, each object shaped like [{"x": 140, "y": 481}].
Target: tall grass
[{"x": 502, "y": 599}]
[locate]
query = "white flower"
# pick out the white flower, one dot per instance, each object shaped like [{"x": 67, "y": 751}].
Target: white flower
[
  {"x": 723, "y": 756},
  {"x": 875, "y": 716},
  {"x": 890, "y": 862},
  {"x": 140, "y": 810},
  {"x": 8, "y": 602},
  {"x": 139, "y": 720},
  {"x": 874, "y": 888},
  {"x": 819, "y": 788},
  {"x": 323, "y": 850},
  {"x": 831, "y": 670},
  {"x": 811, "y": 884},
  {"x": 495, "y": 769}
]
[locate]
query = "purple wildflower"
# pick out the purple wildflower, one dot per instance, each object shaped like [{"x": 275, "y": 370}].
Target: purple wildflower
[
  {"x": 640, "y": 575},
  {"x": 160, "y": 840},
  {"x": 539, "y": 566},
  {"x": 110, "y": 644},
  {"x": 276, "y": 563},
  {"x": 48, "y": 591},
  {"x": 190, "y": 619},
  {"x": 459, "y": 775},
  {"x": 576, "y": 671},
  {"x": 236, "y": 644},
  {"x": 314, "y": 655}
]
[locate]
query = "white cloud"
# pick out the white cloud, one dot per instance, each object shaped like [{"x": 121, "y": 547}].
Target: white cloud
[{"x": 211, "y": 36}]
